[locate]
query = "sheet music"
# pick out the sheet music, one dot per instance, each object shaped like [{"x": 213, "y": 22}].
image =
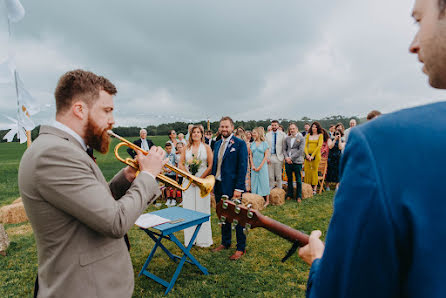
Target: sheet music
[{"x": 148, "y": 220}]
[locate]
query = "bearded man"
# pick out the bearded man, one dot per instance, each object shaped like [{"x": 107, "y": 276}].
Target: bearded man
[
  {"x": 387, "y": 234},
  {"x": 78, "y": 219}
]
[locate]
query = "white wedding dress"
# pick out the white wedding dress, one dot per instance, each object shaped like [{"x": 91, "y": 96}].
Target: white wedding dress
[{"x": 193, "y": 201}]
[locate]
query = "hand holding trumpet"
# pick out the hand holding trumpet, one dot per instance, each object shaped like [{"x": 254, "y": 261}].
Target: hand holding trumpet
[{"x": 152, "y": 163}]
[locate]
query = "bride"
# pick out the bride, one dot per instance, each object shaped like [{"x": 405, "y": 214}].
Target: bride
[{"x": 200, "y": 154}]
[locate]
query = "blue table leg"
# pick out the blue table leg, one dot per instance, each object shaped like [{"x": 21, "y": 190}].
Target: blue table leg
[
  {"x": 172, "y": 256},
  {"x": 187, "y": 250},
  {"x": 152, "y": 253},
  {"x": 187, "y": 254}
]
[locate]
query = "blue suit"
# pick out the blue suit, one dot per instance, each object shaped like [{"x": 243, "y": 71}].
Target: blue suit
[
  {"x": 233, "y": 175},
  {"x": 387, "y": 236}
]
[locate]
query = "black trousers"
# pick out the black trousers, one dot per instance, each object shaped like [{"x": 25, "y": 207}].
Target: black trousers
[{"x": 296, "y": 169}]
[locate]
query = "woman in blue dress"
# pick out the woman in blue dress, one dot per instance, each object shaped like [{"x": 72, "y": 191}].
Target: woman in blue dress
[{"x": 258, "y": 156}]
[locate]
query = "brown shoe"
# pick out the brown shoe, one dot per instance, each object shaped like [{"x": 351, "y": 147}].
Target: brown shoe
[
  {"x": 288, "y": 198},
  {"x": 219, "y": 248},
  {"x": 299, "y": 200},
  {"x": 237, "y": 255}
]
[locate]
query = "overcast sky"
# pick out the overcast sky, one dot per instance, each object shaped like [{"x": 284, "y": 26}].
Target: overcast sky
[{"x": 189, "y": 60}]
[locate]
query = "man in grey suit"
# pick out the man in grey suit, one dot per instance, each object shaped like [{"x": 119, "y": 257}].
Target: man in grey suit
[
  {"x": 78, "y": 219},
  {"x": 293, "y": 150}
]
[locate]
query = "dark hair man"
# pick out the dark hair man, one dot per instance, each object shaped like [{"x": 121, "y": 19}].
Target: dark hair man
[
  {"x": 387, "y": 234},
  {"x": 78, "y": 219}
]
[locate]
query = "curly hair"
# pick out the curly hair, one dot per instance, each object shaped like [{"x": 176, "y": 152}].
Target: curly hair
[{"x": 81, "y": 85}]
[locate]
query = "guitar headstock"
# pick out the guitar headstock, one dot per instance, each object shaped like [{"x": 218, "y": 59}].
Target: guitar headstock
[{"x": 234, "y": 212}]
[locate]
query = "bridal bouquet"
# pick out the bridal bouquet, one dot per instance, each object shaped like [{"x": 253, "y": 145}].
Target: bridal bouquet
[{"x": 193, "y": 164}]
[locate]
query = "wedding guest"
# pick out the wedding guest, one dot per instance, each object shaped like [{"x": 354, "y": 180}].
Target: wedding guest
[
  {"x": 143, "y": 142},
  {"x": 181, "y": 139},
  {"x": 341, "y": 127},
  {"x": 331, "y": 131},
  {"x": 169, "y": 191},
  {"x": 197, "y": 160},
  {"x": 216, "y": 138},
  {"x": 258, "y": 156},
  {"x": 293, "y": 151},
  {"x": 248, "y": 135},
  {"x": 240, "y": 133},
  {"x": 324, "y": 148},
  {"x": 189, "y": 127},
  {"x": 306, "y": 129},
  {"x": 275, "y": 140},
  {"x": 373, "y": 114},
  {"x": 268, "y": 129},
  {"x": 313, "y": 144},
  {"x": 281, "y": 128},
  {"x": 179, "y": 150},
  {"x": 352, "y": 124},
  {"x": 173, "y": 139},
  {"x": 389, "y": 242},
  {"x": 208, "y": 137},
  {"x": 336, "y": 147}
]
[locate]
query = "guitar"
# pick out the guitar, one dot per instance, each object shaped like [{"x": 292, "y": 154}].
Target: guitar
[{"x": 233, "y": 212}]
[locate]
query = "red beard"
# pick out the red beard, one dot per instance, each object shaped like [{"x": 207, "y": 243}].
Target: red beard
[{"x": 96, "y": 137}]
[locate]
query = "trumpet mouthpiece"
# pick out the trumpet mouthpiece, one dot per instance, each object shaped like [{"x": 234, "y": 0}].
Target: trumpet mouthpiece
[{"x": 111, "y": 133}]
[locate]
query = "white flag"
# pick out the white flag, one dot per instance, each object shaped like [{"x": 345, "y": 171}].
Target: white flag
[
  {"x": 27, "y": 103},
  {"x": 19, "y": 128},
  {"x": 16, "y": 12}
]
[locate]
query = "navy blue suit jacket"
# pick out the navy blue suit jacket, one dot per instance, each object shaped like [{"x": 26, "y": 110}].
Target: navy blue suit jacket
[
  {"x": 233, "y": 166},
  {"x": 387, "y": 236}
]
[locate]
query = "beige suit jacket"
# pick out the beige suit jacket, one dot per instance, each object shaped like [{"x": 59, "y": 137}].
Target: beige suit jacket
[
  {"x": 78, "y": 225},
  {"x": 279, "y": 142}
]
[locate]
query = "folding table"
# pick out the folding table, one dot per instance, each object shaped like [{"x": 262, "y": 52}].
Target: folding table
[{"x": 189, "y": 218}]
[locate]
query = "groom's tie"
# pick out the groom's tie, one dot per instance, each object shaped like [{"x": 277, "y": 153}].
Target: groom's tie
[{"x": 220, "y": 157}]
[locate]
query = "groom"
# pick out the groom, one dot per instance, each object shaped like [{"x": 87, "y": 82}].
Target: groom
[{"x": 229, "y": 168}]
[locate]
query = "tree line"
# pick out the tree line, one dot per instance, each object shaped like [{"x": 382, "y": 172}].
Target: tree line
[{"x": 181, "y": 127}]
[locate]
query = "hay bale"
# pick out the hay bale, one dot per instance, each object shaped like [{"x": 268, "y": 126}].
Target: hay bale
[
  {"x": 4, "y": 241},
  {"x": 307, "y": 191},
  {"x": 277, "y": 196},
  {"x": 14, "y": 213},
  {"x": 255, "y": 200},
  {"x": 19, "y": 200}
]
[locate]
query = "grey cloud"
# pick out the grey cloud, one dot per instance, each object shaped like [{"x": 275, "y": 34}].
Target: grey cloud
[{"x": 249, "y": 59}]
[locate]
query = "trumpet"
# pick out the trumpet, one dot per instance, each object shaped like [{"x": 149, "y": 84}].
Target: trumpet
[{"x": 204, "y": 184}]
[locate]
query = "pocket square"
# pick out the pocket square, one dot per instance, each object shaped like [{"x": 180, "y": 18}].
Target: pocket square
[{"x": 232, "y": 150}]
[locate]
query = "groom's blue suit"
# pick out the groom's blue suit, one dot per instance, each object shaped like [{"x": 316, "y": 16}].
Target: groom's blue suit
[{"x": 233, "y": 175}]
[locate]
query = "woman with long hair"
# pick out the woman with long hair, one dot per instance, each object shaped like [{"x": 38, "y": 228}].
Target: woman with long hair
[
  {"x": 258, "y": 155},
  {"x": 197, "y": 160},
  {"x": 240, "y": 133},
  {"x": 313, "y": 144}
]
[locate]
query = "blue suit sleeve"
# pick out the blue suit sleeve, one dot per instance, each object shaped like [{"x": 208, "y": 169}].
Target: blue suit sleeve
[
  {"x": 242, "y": 166},
  {"x": 361, "y": 253}
]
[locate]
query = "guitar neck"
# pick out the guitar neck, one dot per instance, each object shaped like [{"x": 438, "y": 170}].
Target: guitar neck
[{"x": 284, "y": 231}]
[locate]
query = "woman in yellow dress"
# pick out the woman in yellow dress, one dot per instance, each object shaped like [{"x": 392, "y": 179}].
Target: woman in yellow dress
[{"x": 313, "y": 143}]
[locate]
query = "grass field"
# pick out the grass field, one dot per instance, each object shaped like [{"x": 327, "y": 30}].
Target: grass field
[{"x": 260, "y": 273}]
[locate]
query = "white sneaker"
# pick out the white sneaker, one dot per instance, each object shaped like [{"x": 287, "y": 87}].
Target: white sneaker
[{"x": 168, "y": 202}]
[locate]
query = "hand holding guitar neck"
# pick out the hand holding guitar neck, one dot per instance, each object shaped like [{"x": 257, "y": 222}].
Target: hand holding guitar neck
[{"x": 235, "y": 213}]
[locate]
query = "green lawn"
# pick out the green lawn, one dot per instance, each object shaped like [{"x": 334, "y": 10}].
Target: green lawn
[{"x": 259, "y": 273}]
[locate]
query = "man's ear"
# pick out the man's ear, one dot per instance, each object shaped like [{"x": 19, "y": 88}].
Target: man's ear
[{"x": 80, "y": 110}]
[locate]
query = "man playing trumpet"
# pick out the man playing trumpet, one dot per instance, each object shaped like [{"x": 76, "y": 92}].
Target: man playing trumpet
[{"x": 78, "y": 219}]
